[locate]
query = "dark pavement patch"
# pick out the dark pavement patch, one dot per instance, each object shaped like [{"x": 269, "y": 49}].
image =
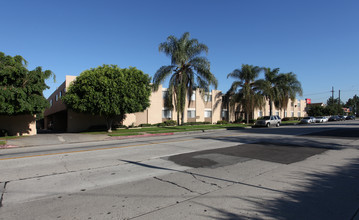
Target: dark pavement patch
[
  {"x": 341, "y": 133},
  {"x": 285, "y": 154}
]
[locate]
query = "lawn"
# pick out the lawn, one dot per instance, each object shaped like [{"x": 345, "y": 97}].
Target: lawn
[{"x": 166, "y": 129}]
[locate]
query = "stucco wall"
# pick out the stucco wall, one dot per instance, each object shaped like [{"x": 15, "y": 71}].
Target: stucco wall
[
  {"x": 141, "y": 118},
  {"x": 154, "y": 114},
  {"x": 129, "y": 120},
  {"x": 77, "y": 122},
  {"x": 297, "y": 106},
  {"x": 200, "y": 104},
  {"x": 216, "y": 105},
  {"x": 19, "y": 125}
]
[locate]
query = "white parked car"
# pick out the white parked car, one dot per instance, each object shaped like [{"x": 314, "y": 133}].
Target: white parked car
[
  {"x": 307, "y": 120},
  {"x": 321, "y": 119}
]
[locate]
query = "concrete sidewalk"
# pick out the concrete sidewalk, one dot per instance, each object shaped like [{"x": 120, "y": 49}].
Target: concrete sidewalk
[
  {"x": 66, "y": 138},
  {"x": 55, "y": 138}
]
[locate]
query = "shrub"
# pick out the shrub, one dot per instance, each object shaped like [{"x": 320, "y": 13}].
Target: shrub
[
  {"x": 252, "y": 121},
  {"x": 145, "y": 125},
  {"x": 160, "y": 124},
  {"x": 3, "y": 133},
  {"x": 238, "y": 120},
  {"x": 222, "y": 122},
  {"x": 197, "y": 123},
  {"x": 170, "y": 123}
]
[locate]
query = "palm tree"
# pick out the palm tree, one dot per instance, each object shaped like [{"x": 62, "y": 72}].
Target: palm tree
[
  {"x": 269, "y": 87},
  {"x": 245, "y": 91},
  {"x": 188, "y": 70},
  {"x": 289, "y": 87}
]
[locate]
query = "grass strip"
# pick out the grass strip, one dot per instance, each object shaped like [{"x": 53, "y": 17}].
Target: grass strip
[
  {"x": 125, "y": 134},
  {"x": 166, "y": 129}
]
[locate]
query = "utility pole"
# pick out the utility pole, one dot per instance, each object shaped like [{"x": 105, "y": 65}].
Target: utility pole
[
  {"x": 333, "y": 95},
  {"x": 339, "y": 97}
]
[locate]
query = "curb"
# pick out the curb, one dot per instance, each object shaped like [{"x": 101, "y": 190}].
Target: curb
[
  {"x": 134, "y": 136},
  {"x": 7, "y": 146}
]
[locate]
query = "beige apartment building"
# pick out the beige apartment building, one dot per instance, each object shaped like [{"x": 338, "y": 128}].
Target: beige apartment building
[
  {"x": 199, "y": 108},
  {"x": 296, "y": 108}
]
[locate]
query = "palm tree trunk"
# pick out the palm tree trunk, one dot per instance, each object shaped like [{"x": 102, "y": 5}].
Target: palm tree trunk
[
  {"x": 178, "y": 118},
  {"x": 182, "y": 118}
]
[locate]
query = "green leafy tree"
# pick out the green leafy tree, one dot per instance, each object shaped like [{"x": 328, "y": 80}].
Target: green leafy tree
[
  {"x": 21, "y": 90},
  {"x": 316, "y": 110},
  {"x": 110, "y": 92},
  {"x": 353, "y": 103},
  {"x": 334, "y": 107},
  {"x": 245, "y": 91},
  {"x": 188, "y": 70},
  {"x": 334, "y": 101}
]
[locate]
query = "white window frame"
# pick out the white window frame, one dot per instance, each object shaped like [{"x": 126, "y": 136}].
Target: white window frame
[
  {"x": 260, "y": 113},
  {"x": 292, "y": 113},
  {"x": 50, "y": 102},
  {"x": 224, "y": 113},
  {"x": 192, "y": 114},
  {"x": 169, "y": 112},
  {"x": 207, "y": 97},
  {"x": 299, "y": 114},
  {"x": 209, "y": 112},
  {"x": 193, "y": 97}
]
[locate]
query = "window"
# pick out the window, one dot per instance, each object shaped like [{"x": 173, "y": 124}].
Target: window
[
  {"x": 57, "y": 98},
  {"x": 224, "y": 113},
  {"x": 193, "y": 97},
  {"x": 164, "y": 94},
  {"x": 292, "y": 104},
  {"x": 207, "y": 113},
  {"x": 298, "y": 114},
  {"x": 207, "y": 98},
  {"x": 60, "y": 94},
  {"x": 277, "y": 113},
  {"x": 50, "y": 102},
  {"x": 285, "y": 113},
  {"x": 166, "y": 113},
  {"x": 299, "y": 104},
  {"x": 260, "y": 113},
  {"x": 191, "y": 113},
  {"x": 292, "y": 114}
]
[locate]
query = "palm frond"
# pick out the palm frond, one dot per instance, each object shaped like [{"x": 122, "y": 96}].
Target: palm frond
[{"x": 161, "y": 74}]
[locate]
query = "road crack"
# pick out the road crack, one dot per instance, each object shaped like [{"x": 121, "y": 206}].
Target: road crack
[
  {"x": 173, "y": 183},
  {"x": 205, "y": 182},
  {"x": 3, "y": 192}
]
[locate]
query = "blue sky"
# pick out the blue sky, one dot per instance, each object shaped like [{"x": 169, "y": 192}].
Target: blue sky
[{"x": 317, "y": 40}]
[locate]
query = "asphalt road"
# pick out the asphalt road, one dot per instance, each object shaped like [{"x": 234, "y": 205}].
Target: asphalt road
[{"x": 291, "y": 172}]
